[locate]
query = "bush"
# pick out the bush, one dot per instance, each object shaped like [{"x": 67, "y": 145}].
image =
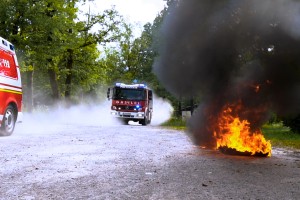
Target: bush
[
  {"x": 293, "y": 123},
  {"x": 175, "y": 122}
]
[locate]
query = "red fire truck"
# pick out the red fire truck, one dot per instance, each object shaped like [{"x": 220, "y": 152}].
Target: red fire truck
[
  {"x": 131, "y": 102},
  {"x": 10, "y": 88}
]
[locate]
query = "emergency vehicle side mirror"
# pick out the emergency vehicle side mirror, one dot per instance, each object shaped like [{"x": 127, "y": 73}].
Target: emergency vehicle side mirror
[
  {"x": 108, "y": 93},
  {"x": 150, "y": 95}
]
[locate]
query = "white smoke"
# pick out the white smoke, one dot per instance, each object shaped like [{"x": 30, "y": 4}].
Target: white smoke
[
  {"x": 85, "y": 115},
  {"x": 162, "y": 111}
]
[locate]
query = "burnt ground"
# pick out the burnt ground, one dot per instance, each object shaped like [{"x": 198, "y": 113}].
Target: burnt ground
[{"x": 90, "y": 161}]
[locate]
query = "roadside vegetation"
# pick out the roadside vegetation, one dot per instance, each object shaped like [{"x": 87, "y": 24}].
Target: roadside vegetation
[
  {"x": 175, "y": 123},
  {"x": 277, "y": 133},
  {"x": 281, "y": 136}
]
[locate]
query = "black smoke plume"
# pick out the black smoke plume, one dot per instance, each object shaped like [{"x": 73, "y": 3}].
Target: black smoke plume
[{"x": 231, "y": 51}]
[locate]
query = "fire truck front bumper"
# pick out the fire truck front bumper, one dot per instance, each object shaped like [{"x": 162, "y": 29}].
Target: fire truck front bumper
[{"x": 128, "y": 115}]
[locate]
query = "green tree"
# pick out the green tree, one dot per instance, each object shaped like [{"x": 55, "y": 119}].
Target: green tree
[
  {"x": 52, "y": 42},
  {"x": 132, "y": 59}
]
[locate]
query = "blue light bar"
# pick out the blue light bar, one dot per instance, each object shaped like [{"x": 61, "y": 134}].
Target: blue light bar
[
  {"x": 133, "y": 86},
  {"x": 142, "y": 86}
]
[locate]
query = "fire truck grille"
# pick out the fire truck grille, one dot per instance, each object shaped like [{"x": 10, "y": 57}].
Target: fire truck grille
[
  {"x": 126, "y": 115},
  {"x": 131, "y": 108}
]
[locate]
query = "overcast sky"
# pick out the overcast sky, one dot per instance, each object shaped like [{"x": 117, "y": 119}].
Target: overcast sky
[{"x": 137, "y": 12}]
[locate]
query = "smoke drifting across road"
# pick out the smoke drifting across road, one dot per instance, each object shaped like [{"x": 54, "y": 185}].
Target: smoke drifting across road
[
  {"x": 86, "y": 115},
  {"x": 232, "y": 51}
]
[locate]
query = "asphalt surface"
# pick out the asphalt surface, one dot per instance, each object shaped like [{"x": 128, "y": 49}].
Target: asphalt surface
[{"x": 112, "y": 161}]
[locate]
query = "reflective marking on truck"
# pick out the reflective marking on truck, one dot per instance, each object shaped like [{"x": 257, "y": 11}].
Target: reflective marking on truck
[
  {"x": 127, "y": 102},
  {"x": 10, "y": 91},
  {"x": 8, "y": 64},
  {"x": 8, "y": 86},
  {"x": 4, "y": 63}
]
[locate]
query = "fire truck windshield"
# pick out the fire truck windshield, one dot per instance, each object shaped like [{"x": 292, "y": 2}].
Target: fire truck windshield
[{"x": 129, "y": 94}]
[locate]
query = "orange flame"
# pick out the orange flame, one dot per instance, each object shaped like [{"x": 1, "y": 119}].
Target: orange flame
[{"x": 235, "y": 133}]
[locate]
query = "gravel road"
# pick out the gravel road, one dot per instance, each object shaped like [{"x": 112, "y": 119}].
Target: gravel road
[{"x": 111, "y": 161}]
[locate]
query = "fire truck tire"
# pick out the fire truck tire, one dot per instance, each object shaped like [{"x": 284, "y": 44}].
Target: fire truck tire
[
  {"x": 144, "y": 121},
  {"x": 149, "y": 118},
  {"x": 8, "y": 121}
]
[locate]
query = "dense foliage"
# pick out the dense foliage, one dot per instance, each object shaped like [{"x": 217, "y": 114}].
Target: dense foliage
[
  {"x": 293, "y": 123},
  {"x": 66, "y": 55},
  {"x": 58, "y": 51}
]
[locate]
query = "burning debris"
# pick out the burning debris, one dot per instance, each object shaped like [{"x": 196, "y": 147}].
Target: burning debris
[
  {"x": 233, "y": 134},
  {"x": 242, "y": 57}
]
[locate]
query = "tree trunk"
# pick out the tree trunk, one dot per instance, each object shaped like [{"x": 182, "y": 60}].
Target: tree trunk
[
  {"x": 54, "y": 84},
  {"x": 29, "y": 91},
  {"x": 179, "y": 109},
  {"x": 192, "y": 105},
  {"x": 69, "y": 75}
]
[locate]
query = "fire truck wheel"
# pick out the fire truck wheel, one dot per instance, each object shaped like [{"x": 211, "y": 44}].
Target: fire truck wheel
[
  {"x": 149, "y": 118},
  {"x": 144, "y": 121},
  {"x": 8, "y": 121}
]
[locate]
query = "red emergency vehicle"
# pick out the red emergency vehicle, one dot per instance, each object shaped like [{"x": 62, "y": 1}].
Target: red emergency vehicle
[
  {"x": 131, "y": 102},
  {"x": 10, "y": 88}
]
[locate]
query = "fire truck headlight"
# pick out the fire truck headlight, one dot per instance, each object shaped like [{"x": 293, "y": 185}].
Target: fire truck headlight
[
  {"x": 114, "y": 108},
  {"x": 114, "y": 113}
]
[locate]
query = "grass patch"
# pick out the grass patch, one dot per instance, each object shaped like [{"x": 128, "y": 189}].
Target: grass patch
[
  {"x": 278, "y": 134},
  {"x": 175, "y": 123},
  {"x": 281, "y": 136}
]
